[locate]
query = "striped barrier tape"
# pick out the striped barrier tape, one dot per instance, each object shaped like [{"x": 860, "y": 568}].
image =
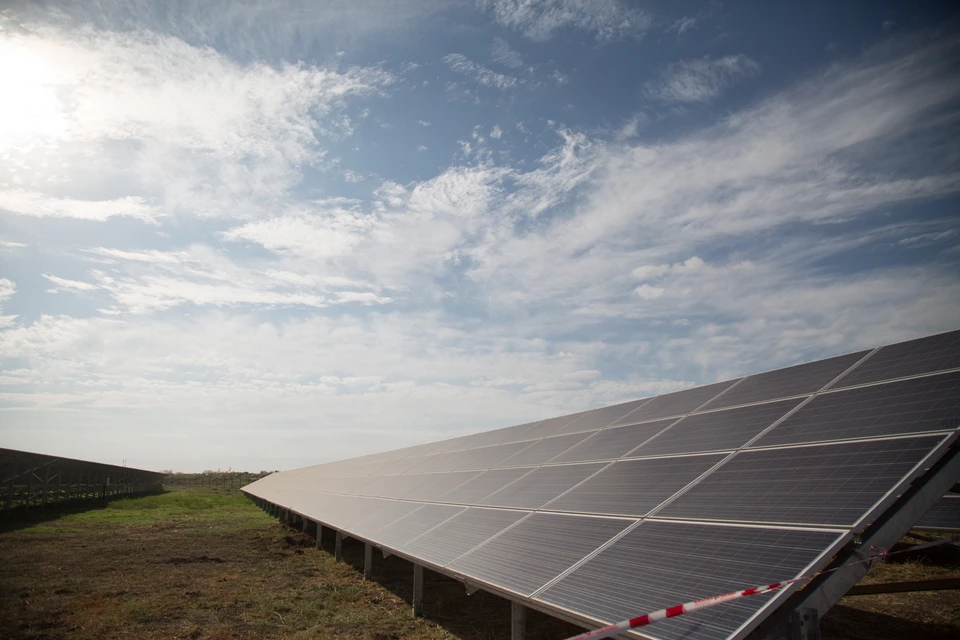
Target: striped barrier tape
[{"x": 687, "y": 607}]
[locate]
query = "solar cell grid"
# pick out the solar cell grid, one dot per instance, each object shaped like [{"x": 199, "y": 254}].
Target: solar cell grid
[
  {"x": 613, "y": 442},
  {"x": 389, "y": 511},
  {"x": 660, "y": 564},
  {"x": 537, "y": 550},
  {"x": 634, "y": 487},
  {"x": 599, "y": 418},
  {"x": 717, "y": 430},
  {"x": 540, "y": 486},
  {"x": 677, "y": 403},
  {"x": 402, "y": 531},
  {"x": 543, "y": 450},
  {"x": 924, "y": 355},
  {"x": 460, "y": 534},
  {"x": 907, "y": 406},
  {"x": 476, "y": 489},
  {"x": 945, "y": 514},
  {"x": 549, "y": 426},
  {"x": 829, "y": 484},
  {"x": 437, "y": 484},
  {"x": 783, "y": 383}
]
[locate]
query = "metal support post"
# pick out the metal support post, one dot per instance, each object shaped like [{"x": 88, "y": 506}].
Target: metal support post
[
  {"x": 338, "y": 547},
  {"x": 806, "y": 624},
  {"x": 417, "y": 590},
  {"x": 304, "y": 524},
  {"x": 56, "y": 499},
  {"x": 319, "y": 534},
  {"x": 518, "y": 621},
  {"x": 367, "y": 560}
]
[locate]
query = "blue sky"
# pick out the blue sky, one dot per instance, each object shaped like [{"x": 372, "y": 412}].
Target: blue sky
[{"x": 268, "y": 235}]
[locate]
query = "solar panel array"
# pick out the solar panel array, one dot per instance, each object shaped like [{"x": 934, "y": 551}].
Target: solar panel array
[
  {"x": 614, "y": 512},
  {"x": 944, "y": 516}
]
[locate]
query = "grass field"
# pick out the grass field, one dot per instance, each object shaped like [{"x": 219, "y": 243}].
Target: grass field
[{"x": 205, "y": 565}]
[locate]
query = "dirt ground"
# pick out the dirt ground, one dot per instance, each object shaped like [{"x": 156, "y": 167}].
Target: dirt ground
[{"x": 213, "y": 566}]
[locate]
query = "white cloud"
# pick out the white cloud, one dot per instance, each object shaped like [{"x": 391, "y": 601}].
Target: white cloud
[
  {"x": 496, "y": 132},
  {"x": 684, "y": 24},
  {"x": 506, "y": 56},
  {"x": 701, "y": 80},
  {"x": 542, "y": 19},
  {"x": 69, "y": 285},
  {"x": 424, "y": 123},
  {"x": 481, "y": 75},
  {"x": 421, "y": 148},
  {"x": 649, "y": 292},
  {"x": 7, "y": 289},
  {"x": 12, "y": 245},
  {"x": 195, "y": 131},
  {"x": 353, "y": 176},
  {"x": 318, "y": 234},
  {"x": 31, "y": 203}
]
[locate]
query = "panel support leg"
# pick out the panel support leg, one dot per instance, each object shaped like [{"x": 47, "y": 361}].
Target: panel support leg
[
  {"x": 319, "y": 535},
  {"x": 417, "y": 590},
  {"x": 518, "y": 621},
  {"x": 367, "y": 560},
  {"x": 806, "y": 624},
  {"x": 338, "y": 547},
  {"x": 304, "y": 524}
]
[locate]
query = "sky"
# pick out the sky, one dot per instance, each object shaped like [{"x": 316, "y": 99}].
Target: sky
[{"x": 267, "y": 235}]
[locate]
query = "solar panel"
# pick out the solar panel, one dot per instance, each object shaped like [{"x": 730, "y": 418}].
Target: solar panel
[
  {"x": 536, "y": 509},
  {"x": 476, "y": 489},
  {"x": 660, "y": 564},
  {"x": 540, "y": 486},
  {"x": 437, "y": 484},
  {"x": 402, "y": 531},
  {"x": 717, "y": 430},
  {"x": 634, "y": 487},
  {"x": 599, "y": 418},
  {"x": 784, "y": 383},
  {"x": 907, "y": 406},
  {"x": 447, "y": 542},
  {"x": 674, "y": 404},
  {"x": 827, "y": 484},
  {"x": 537, "y": 550},
  {"x": 390, "y": 511},
  {"x": 543, "y": 450},
  {"x": 945, "y": 514},
  {"x": 924, "y": 355},
  {"x": 613, "y": 442}
]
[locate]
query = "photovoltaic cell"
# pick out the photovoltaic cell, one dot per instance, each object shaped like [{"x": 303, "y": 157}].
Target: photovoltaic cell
[
  {"x": 925, "y": 355},
  {"x": 830, "y": 484},
  {"x": 674, "y": 404},
  {"x": 537, "y": 550},
  {"x": 907, "y": 406},
  {"x": 389, "y": 511},
  {"x": 542, "y": 450},
  {"x": 660, "y": 564},
  {"x": 717, "y": 430},
  {"x": 550, "y": 426},
  {"x": 460, "y": 534},
  {"x": 476, "y": 489},
  {"x": 402, "y": 531},
  {"x": 541, "y": 486},
  {"x": 614, "y": 442},
  {"x": 634, "y": 487},
  {"x": 437, "y": 484},
  {"x": 599, "y": 418},
  {"x": 783, "y": 383},
  {"x": 944, "y": 515}
]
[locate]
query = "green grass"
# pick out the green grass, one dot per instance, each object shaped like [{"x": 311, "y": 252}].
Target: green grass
[{"x": 180, "y": 509}]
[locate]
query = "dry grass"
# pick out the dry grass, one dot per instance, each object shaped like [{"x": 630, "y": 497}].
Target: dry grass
[
  {"x": 194, "y": 565},
  {"x": 197, "y": 565}
]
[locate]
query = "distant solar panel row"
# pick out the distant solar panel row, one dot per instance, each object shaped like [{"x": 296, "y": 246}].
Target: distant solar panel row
[{"x": 611, "y": 512}]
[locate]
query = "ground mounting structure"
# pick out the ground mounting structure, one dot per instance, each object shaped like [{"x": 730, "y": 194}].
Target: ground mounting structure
[
  {"x": 602, "y": 515},
  {"x": 30, "y": 480}
]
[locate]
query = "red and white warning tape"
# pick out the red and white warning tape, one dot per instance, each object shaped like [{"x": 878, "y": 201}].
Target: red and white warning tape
[{"x": 687, "y": 607}]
